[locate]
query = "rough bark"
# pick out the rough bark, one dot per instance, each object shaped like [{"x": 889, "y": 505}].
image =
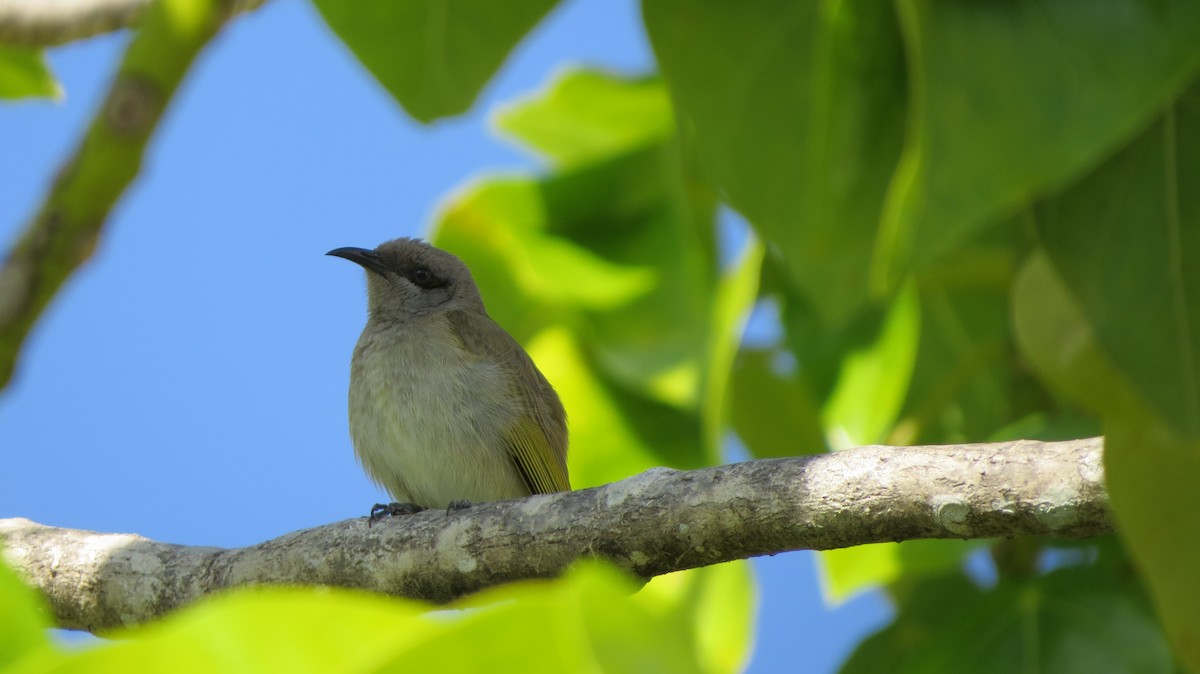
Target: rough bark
[{"x": 657, "y": 522}]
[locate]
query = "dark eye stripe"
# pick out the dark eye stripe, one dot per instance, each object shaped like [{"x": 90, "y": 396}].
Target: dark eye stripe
[{"x": 423, "y": 277}]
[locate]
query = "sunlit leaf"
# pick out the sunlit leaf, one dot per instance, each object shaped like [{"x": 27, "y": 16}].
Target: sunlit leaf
[
  {"x": 585, "y": 114},
  {"x": 24, "y": 618},
  {"x": 848, "y": 571},
  {"x": 24, "y": 74},
  {"x": 608, "y": 439},
  {"x": 720, "y": 601},
  {"x": 585, "y": 621},
  {"x": 874, "y": 381},
  {"x": 735, "y": 297}
]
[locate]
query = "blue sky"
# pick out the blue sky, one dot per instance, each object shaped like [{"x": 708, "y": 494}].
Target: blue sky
[{"x": 189, "y": 383}]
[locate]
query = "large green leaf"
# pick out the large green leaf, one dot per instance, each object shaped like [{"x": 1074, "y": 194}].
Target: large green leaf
[
  {"x": 433, "y": 56},
  {"x": 585, "y": 621},
  {"x": 796, "y": 111},
  {"x": 1150, "y": 469},
  {"x": 24, "y": 74},
  {"x": 1072, "y": 620},
  {"x": 1124, "y": 240},
  {"x": 1014, "y": 99}
]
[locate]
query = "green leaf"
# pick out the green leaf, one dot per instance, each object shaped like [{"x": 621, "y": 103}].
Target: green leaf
[
  {"x": 796, "y": 112},
  {"x": 586, "y": 114},
  {"x": 735, "y": 296},
  {"x": 585, "y": 621},
  {"x": 719, "y": 601},
  {"x": 1150, "y": 471},
  {"x": 875, "y": 378},
  {"x": 1054, "y": 333},
  {"x": 433, "y": 56},
  {"x": 620, "y": 251},
  {"x": 772, "y": 413},
  {"x": 848, "y": 571},
  {"x": 1072, "y": 620},
  {"x": 24, "y": 619},
  {"x": 965, "y": 383},
  {"x": 1124, "y": 241},
  {"x": 1151, "y": 474},
  {"x": 1014, "y": 99},
  {"x": 24, "y": 74}
]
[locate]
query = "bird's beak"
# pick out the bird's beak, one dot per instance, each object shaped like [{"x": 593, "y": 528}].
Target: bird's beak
[{"x": 365, "y": 257}]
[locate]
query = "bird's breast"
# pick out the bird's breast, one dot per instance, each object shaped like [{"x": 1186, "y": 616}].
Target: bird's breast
[{"x": 429, "y": 419}]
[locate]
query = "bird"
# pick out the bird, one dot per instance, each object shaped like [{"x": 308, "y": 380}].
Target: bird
[{"x": 445, "y": 407}]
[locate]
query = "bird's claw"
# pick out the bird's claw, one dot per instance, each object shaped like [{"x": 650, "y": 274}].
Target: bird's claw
[{"x": 382, "y": 510}]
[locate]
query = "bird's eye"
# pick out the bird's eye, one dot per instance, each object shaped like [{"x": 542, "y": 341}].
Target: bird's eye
[{"x": 423, "y": 277}]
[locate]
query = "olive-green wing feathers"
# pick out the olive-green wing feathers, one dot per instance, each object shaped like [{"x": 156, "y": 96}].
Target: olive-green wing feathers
[{"x": 538, "y": 442}]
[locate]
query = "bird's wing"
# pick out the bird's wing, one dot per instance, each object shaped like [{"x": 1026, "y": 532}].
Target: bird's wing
[{"x": 538, "y": 441}]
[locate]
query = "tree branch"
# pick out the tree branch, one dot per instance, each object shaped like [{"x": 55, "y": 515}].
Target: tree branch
[
  {"x": 45, "y": 23},
  {"x": 63, "y": 233},
  {"x": 654, "y": 523}
]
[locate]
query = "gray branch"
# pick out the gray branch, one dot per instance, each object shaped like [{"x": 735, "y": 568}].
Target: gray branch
[
  {"x": 654, "y": 523},
  {"x": 45, "y": 23}
]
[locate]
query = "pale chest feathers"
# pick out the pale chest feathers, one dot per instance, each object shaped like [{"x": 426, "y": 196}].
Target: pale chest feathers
[{"x": 429, "y": 419}]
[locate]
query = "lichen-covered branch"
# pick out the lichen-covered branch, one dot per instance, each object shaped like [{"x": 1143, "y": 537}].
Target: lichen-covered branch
[
  {"x": 44, "y": 23},
  {"x": 62, "y": 234},
  {"x": 654, "y": 523}
]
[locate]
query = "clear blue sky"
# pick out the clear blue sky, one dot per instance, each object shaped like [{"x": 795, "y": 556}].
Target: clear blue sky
[{"x": 189, "y": 383}]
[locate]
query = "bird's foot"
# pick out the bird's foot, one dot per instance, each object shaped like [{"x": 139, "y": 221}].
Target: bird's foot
[
  {"x": 382, "y": 510},
  {"x": 455, "y": 506}
]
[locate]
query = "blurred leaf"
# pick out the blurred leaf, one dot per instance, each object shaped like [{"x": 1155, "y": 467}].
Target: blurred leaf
[
  {"x": 1055, "y": 335},
  {"x": 615, "y": 255},
  {"x": 1014, "y": 99},
  {"x": 719, "y": 600},
  {"x": 964, "y": 383},
  {"x": 433, "y": 56},
  {"x": 848, "y": 571},
  {"x": 24, "y": 74},
  {"x": 797, "y": 113},
  {"x": 772, "y": 413},
  {"x": 736, "y": 293},
  {"x": 874, "y": 380},
  {"x": 1124, "y": 240},
  {"x": 585, "y": 621},
  {"x": 24, "y": 618},
  {"x": 633, "y": 210},
  {"x": 587, "y": 114},
  {"x": 605, "y": 446},
  {"x": 1072, "y": 620},
  {"x": 1151, "y": 476},
  {"x": 1149, "y": 470}
]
